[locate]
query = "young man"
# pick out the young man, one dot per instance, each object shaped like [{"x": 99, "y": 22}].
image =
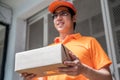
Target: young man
[{"x": 89, "y": 61}]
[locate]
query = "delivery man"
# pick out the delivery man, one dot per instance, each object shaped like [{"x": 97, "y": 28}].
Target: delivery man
[{"x": 89, "y": 61}]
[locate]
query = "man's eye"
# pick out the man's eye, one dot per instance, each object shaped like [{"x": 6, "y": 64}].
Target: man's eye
[{"x": 64, "y": 14}]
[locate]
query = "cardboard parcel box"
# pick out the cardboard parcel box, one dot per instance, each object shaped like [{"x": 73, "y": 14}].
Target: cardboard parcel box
[{"x": 42, "y": 61}]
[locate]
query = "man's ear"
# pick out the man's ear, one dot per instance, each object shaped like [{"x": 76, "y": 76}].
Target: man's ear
[{"x": 74, "y": 18}]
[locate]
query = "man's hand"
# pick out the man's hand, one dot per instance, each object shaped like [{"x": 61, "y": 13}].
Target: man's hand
[
  {"x": 28, "y": 76},
  {"x": 74, "y": 67}
]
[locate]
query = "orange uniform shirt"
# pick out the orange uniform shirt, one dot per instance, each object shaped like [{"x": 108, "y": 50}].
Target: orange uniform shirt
[{"x": 87, "y": 49}]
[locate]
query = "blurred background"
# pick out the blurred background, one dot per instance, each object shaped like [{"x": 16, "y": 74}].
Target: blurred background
[{"x": 27, "y": 24}]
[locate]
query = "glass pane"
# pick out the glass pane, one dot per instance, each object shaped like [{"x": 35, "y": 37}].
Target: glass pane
[
  {"x": 2, "y": 40},
  {"x": 118, "y": 45},
  {"x": 114, "y": 7},
  {"x": 89, "y": 20},
  {"x": 116, "y": 14},
  {"x": 102, "y": 42},
  {"x": 83, "y": 27},
  {"x": 97, "y": 24},
  {"x": 52, "y": 32},
  {"x": 35, "y": 32}
]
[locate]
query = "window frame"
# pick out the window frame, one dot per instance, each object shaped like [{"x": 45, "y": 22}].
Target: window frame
[{"x": 4, "y": 49}]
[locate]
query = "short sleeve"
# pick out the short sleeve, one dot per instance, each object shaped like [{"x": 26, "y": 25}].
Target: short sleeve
[{"x": 98, "y": 55}]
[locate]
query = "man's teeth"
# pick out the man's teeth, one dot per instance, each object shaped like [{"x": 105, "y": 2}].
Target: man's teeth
[{"x": 59, "y": 23}]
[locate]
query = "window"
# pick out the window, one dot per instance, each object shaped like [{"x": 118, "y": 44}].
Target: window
[
  {"x": 3, "y": 47},
  {"x": 37, "y": 30},
  {"x": 40, "y": 30},
  {"x": 35, "y": 33}
]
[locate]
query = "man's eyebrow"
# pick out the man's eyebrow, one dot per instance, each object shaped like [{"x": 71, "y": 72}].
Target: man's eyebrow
[{"x": 61, "y": 11}]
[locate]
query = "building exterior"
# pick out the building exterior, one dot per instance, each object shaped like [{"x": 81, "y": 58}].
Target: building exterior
[{"x": 27, "y": 24}]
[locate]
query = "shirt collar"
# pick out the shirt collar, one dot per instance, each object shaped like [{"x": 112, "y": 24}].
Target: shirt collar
[{"x": 67, "y": 38}]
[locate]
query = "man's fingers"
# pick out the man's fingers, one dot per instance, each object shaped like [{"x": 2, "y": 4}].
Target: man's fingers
[
  {"x": 72, "y": 63},
  {"x": 24, "y": 74},
  {"x": 28, "y": 76},
  {"x": 72, "y": 56},
  {"x": 69, "y": 70}
]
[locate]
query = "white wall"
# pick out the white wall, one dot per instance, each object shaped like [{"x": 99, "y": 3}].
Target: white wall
[{"x": 22, "y": 9}]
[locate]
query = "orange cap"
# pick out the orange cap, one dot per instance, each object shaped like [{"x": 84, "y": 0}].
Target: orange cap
[{"x": 57, "y": 3}]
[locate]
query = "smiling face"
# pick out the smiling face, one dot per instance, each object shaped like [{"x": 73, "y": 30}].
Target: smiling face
[{"x": 63, "y": 21}]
